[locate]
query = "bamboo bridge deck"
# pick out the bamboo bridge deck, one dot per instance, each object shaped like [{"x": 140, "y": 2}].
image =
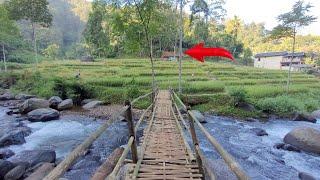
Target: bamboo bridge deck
[{"x": 164, "y": 151}]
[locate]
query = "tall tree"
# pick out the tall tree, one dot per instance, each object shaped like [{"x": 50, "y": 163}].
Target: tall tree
[
  {"x": 290, "y": 23},
  {"x": 95, "y": 34},
  {"x": 36, "y": 12}
]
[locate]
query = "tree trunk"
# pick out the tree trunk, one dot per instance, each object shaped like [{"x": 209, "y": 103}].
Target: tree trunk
[
  {"x": 34, "y": 41},
  {"x": 291, "y": 60},
  {"x": 4, "y": 59},
  {"x": 180, "y": 48}
]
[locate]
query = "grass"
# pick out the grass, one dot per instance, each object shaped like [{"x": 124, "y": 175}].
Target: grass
[{"x": 115, "y": 80}]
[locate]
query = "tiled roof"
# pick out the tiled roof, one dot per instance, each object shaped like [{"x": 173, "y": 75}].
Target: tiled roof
[{"x": 282, "y": 53}]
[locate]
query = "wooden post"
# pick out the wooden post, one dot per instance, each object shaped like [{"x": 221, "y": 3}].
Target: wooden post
[
  {"x": 195, "y": 143},
  {"x": 129, "y": 119}
]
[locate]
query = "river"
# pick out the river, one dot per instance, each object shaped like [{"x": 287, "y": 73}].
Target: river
[{"x": 254, "y": 153}]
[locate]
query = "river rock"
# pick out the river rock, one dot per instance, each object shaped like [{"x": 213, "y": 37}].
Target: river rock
[
  {"x": 16, "y": 173},
  {"x": 286, "y": 147},
  {"x": 6, "y": 96},
  {"x": 304, "y": 138},
  {"x": 34, "y": 157},
  {"x": 41, "y": 172},
  {"x": 24, "y": 96},
  {"x": 246, "y": 107},
  {"x": 92, "y": 104},
  {"x": 306, "y": 176},
  {"x": 316, "y": 114},
  {"x": 6, "y": 153},
  {"x": 5, "y": 167},
  {"x": 86, "y": 101},
  {"x": 199, "y": 116},
  {"x": 66, "y": 104},
  {"x": 32, "y": 104},
  {"x": 11, "y": 138},
  {"x": 259, "y": 132},
  {"x": 304, "y": 117},
  {"x": 54, "y": 101},
  {"x": 44, "y": 114}
]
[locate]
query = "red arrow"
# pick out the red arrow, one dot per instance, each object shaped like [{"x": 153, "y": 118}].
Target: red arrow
[{"x": 199, "y": 52}]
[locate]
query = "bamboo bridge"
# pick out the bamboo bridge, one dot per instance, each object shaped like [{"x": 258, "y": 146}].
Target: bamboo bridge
[{"x": 164, "y": 152}]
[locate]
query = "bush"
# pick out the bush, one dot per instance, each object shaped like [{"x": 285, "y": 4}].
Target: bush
[
  {"x": 239, "y": 95},
  {"x": 280, "y": 105}
]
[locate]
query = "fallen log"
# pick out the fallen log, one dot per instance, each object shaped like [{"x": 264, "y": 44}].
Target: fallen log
[{"x": 107, "y": 167}]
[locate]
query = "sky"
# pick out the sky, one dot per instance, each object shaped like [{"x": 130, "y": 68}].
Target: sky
[{"x": 266, "y": 11}]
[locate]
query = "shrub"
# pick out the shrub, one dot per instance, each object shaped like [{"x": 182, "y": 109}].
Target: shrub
[
  {"x": 239, "y": 95},
  {"x": 280, "y": 105}
]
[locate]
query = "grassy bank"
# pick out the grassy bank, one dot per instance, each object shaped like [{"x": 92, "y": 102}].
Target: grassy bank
[{"x": 220, "y": 87}]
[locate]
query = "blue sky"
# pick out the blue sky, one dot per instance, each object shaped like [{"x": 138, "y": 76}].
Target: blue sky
[{"x": 266, "y": 11}]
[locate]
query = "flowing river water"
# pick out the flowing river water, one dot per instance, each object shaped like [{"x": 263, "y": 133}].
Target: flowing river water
[{"x": 254, "y": 153}]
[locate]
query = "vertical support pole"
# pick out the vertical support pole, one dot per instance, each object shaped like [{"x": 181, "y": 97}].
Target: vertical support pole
[
  {"x": 195, "y": 143},
  {"x": 129, "y": 119}
]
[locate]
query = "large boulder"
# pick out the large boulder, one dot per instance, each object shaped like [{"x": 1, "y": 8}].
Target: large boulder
[
  {"x": 32, "y": 104},
  {"x": 41, "y": 172},
  {"x": 86, "y": 101},
  {"x": 66, "y": 104},
  {"x": 44, "y": 114},
  {"x": 54, "y": 101},
  {"x": 17, "y": 172},
  {"x": 5, "y": 167},
  {"x": 12, "y": 137},
  {"x": 24, "y": 96},
  {"x": 306, "y": 176},
  {"x": 246, "y": 107},
  {"x": 316, "y": 114},
  {"x": 7, "y": 96},
  {"x": 34, "y": 157},
  {"x": 199, "y": 116},
  {"x": 304, "y": 117},
  {"x": 304, "y": 138},
  {"x": 92, "y": 104}
]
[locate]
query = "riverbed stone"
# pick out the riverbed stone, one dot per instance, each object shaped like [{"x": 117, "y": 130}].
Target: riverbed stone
[
  {"x": 12, "y": 138},
  {"x": 5, "y": 167},
  {"x": 286, "y": 147},
  {"x": 22, "y": 96},
  {"x": 304, "y": 138},
  {"x": 305, "y": 117},
  {"x": 86, "y": 101},
  {"x": 40, "y": 172},
  {"x": 34, "y": 157},
  {"x": 306, "y": 176},
  {"x": 199, "y": 116},
  {"x": 33, "y": 104},
  {"x": 7, "y": 96},
  {"x": 6, "y": 153},
  {"x": 92, "y": 104},
  {"x": 54, "y": 101},
  {"x": 316, "y": 114},
  {"x": 43, "y": 115},
  {"x": 259, "y": 132},
  {"x": 16, "y": 173},
  {"x": 65, "y": 104}
]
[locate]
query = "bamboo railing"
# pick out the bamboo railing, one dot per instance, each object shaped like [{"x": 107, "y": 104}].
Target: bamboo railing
[{"x": 230, "y": 161}]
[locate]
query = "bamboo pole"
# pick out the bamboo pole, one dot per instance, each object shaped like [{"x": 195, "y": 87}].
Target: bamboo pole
[
  {"x": 141, "y": 118},
  {"x": 129, "y": 118},
  {"x": 179, "y": 100},
  {"x": 180, "y": 116},
  {"x": 208, "y": 171},
  {"x": 80, "y": 150},
  {"x": 140, "y": 97},
  {"x": 116, "y": 169},
  {"x": 107, "y": 167},
  {"x": 233, "y": 165}
]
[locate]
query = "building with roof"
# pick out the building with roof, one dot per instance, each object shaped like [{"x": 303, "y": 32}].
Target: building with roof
[{"x": 279, "y": 60}]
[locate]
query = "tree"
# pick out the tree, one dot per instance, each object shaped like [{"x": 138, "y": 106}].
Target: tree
[
  {"x": 52, "y": 51},
  {"x": 9, "y": 34},
  {"x": 34, "y": 11},
  {"x": 290, "y": 23},
  {"x": 94, "y": 34}
]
